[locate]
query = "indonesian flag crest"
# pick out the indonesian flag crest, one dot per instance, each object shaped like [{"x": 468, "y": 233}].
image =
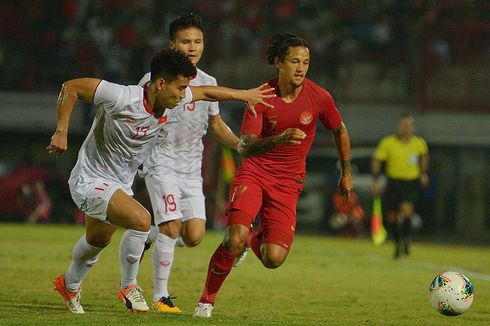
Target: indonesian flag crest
[{"x": 306, "y": 118}]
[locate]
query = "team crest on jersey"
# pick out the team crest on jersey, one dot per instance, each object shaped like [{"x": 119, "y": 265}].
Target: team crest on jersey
[
  {"x": 162, "y": 119},
  {"x": 306, "y": 118}
]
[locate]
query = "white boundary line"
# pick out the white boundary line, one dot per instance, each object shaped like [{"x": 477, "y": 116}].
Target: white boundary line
[{"x": 442, "y": 268}]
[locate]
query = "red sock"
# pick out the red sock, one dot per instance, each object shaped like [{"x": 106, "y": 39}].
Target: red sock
[
  {"x": 219, "y": 267},
  {"x": 254, "y": 242}
]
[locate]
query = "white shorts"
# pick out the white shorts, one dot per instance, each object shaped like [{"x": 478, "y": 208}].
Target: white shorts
[
  {"x": 175, "y": 198},
  {"x": 92, "y": 195}
]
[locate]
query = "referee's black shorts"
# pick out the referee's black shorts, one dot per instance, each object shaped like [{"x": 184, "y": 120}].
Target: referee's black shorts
[{"x": 398, "y": 191}]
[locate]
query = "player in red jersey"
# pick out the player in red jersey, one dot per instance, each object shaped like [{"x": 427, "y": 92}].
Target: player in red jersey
[{"x": 271, "y": 177}]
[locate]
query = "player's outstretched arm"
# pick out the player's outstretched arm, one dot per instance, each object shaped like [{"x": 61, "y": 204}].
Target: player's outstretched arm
[
  {"x": 251, "y": 96},
  {"x": 342, "y": 142},
  {"x": 71, "y": 91},
  {"x": 223, "y": 133},
  {"x": 252, "y": 145}
]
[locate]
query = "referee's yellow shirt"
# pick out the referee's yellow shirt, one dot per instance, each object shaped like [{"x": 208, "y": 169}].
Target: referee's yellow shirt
[{"x": 402, "y": 158}]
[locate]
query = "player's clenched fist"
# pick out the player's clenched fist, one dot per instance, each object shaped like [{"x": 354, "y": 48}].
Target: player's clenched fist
[
  {"x": 292, "y": 136},
  {"x": 58, "y": 144}
]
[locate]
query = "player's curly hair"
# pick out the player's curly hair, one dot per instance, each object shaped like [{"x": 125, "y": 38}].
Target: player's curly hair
[
  {"x": 169, "y": 64},
  {"x": 183, "y": 22},
  {"x": 279, "y": 44}
]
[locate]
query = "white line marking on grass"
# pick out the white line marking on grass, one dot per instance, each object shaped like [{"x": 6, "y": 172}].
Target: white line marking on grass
[{"x": 470, "y": 274}]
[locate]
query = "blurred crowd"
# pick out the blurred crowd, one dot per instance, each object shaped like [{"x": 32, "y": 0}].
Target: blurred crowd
[
  {"x": 43, "y": 43},
  {"x": 35, "y": 193}
]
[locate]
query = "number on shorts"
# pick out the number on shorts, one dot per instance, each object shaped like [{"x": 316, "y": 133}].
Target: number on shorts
[{"x": 169, "y": 202}]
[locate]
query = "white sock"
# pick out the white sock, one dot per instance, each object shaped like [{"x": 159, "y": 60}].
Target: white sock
[
  {"x": 84, "y": 256},
  {"x": 181, "y": 242},
  {"x": 163, "y": 256},
  {"x": 130, "y": 250},
  {"x": 153, "y": 234}
]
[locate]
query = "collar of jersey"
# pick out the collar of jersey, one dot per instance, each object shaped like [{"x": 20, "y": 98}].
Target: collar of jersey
[{"x": 145, "y": 104}]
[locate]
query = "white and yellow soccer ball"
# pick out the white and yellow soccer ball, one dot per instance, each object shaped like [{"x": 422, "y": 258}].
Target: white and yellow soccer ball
[{"x": 451, "y": 293}]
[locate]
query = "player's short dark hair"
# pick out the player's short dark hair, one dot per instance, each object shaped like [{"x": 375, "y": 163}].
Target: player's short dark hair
[
  {"x": 169, "y": 64},
  {"x": 279, "y": 45},
  {"x": 183, "y": 22}
]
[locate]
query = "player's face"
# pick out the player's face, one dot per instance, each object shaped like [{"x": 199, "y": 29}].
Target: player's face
[
  {"x": 295, "y": 65},
  {"x": 172, "y": 93},
  {"x": 191, "y": 42},
  {"x": 406, "y": 126}
]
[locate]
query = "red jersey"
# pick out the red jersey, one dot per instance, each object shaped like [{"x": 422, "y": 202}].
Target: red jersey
[{"x": 289, "y": 161}]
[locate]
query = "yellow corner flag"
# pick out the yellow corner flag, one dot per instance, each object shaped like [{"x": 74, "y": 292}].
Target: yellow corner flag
[
  {"x": 227, "y": 165},
  {"x": 378, "y": 232}
]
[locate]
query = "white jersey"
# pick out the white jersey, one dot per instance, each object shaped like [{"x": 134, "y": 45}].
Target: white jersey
[
  {"x": 179, "y": 148},
  {"x": 122, "y": 134}
]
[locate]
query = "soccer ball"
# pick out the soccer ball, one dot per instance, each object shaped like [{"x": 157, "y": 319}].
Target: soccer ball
[{"x": 451, "y": 293}]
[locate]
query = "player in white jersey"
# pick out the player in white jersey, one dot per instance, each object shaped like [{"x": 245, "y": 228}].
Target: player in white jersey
[
  {"x": 173, "y": 170},
  {"x": 121, "y": 138}
]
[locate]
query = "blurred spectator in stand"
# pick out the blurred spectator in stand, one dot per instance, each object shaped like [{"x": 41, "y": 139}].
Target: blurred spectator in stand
[
  {"x": 23, "y": 195},
  {"x": 36, "y": 202},
  {"x": 382, "y": 46},
  {"x": 441, "y": 51},
  {"x": 106, "y": 35},
  {"x": 347, "y": 219}
]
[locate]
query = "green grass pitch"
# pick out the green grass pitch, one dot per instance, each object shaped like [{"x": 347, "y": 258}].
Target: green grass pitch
[{"x": 325, "y": 281}]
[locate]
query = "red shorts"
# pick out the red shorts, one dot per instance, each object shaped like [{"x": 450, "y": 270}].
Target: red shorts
[{"x": 275, "y": 200}]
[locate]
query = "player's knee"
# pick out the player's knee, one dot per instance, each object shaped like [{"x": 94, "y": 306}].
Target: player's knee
[
  {"x": 99, "y": 240},
  {"x": 171, "y": 228},
  {"x": 272, "y": 256},
  {"x": 238, "y": 239},
  {"x": 192, "y": 231},
  {"x": 234, "y": 243},
  {"x": 141, "y": 221},
  {"x": 406, "y": 209},
  {"x": 235, "y": 238},
  {"x": 192, "y": 240},
  {"x": 271, "y": 262}
]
